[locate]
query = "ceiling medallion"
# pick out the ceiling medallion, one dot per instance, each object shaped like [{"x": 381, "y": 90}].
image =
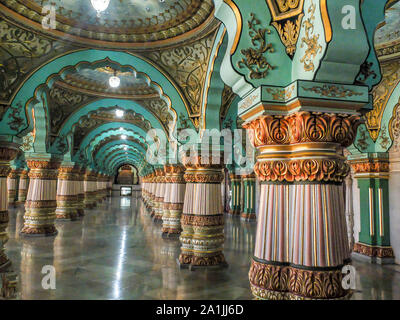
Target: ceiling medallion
[
  {"x": 286, "y": 18},
  {"x": 100, "y": 6}
]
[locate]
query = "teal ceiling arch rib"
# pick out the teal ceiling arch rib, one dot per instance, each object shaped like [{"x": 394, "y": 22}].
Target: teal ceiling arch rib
[{"x": 48, "y": 73}]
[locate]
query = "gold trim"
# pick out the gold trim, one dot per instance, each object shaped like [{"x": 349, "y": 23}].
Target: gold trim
[
  {"x": 239, "y": 23},
  {"x": 207, "y": 88},
  {"x": 326, "y": 21},
  {"x": 64, "y": 36}
]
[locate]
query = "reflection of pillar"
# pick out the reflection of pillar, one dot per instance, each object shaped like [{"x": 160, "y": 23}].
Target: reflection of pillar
[
  {"x": 301, "y": 242},
  {"x": 40, "y": 205},
  {"x": 98, "y": 188},
  {"x": 249, "y": 197},
  {"x": 12, "y": 182},
  {"x": 349, "y": 210},
  {"x": 80, "y": 198},
  {"x": 23, "y": 186},
  {"x": 372, "y": 174},
  {"x": 236, "y": 191},
  {"x": 109, "y": 186},
  {"x": 89, "y": 185},
  {"x": 202, "y": 237},
  {"x": 153, "y": 186},
  {"x": 67, "y": 192},
  {"x": 174, "y": 198},
  {"x": 8, "y": 152},
  {"x": 159, "y": 196}
]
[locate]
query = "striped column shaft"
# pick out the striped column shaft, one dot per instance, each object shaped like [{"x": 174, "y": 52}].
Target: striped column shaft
[
  {"x": 173, "y": 199},
  {"x": 202, "y": 236},
  {"x": 249, "y": 198},
  {"x": 41, "y": 204},
  {"x": 236, "y": 191},
  {"x": 301, "y": 240},
  {"x": 67, "y": 193},
  {"x": 12, "y": 182},
  {"x": 23, "y": 186}
]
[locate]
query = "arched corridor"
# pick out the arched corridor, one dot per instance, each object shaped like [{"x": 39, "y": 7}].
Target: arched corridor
[
  {"x": 199, "y": 149},
  {"x": 117, "y": 252}
]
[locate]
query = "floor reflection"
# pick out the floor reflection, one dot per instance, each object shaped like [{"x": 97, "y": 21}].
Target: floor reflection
[{"x": 117, "y": 252}]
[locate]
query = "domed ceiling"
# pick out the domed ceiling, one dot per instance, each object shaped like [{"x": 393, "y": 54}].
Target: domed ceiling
[
  {"x": 125, "y": 23},
  {"x": 390, "y": 31}
]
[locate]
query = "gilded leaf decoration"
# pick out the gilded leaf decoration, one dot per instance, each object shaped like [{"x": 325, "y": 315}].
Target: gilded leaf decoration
[
  {"x": 286, "y": 18},
  {"x": 381, "y": 95},
  {"x": 310, "y": 40},
  {"x": 254, "y": 58},
  {"x": 20, "y": 52},
  {"x": 187, "y": 65}
]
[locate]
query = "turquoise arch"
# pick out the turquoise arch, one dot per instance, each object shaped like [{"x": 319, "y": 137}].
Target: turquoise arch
[
  {"x": 214, "y": 86},
  {"x": 106, "y": 130},
  {"x": 44, "y": 73},
  {"x": 107, "y": 103},
  {"x": 103, "y": 151},
  {"x": 121, "y": 150},
  {"x": 122, "y": 157},
  {"x": 114, "y": 169},
  {"x": 100, "y": 153}
]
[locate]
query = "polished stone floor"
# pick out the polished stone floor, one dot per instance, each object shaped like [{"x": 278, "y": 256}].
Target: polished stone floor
[{"x": 117, "y": 252}]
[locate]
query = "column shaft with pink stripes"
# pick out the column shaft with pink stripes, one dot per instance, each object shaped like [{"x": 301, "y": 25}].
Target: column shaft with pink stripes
[
  {"x": 8, "y": 152},
  {"x": 173, "y": 199},
  {"x": 301, "y": 240},
  {"x": 41, "y": 204},
  {"x": 202, "y": 236}
]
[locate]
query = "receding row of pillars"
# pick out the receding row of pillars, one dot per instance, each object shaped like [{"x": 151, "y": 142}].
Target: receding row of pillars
[
  {"x": 187, "y": 200},
  {"x": 50, "y": 190}
]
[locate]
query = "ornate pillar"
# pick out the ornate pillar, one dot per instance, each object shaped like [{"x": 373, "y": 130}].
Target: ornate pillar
[
  {"x": 236, "y": 188},
  {"x": 349, "y": 210},
  {"x": 67, "y": 193},
  {"x": 8, "y": 152},
  {"x": 12, "y": 186},
  {"x": 249, "y": 198},
  {"x": 159, "y": 195},
  {"x": 372, "y": 174},
  {"x": 153, "y": 187},
  {"x": 98, "y": 188},
  {"x": 80, "y": 190},
  {"x": 41, "y": 204},
  {"x": 109, "y": 186},
  {"x": 173, "y": 199},
  {"x": 23, "y": 186},
  {"x": 301, "y": 241},
  {"x": 89, "y": 189},
  {"x": 202, "y": 221}
]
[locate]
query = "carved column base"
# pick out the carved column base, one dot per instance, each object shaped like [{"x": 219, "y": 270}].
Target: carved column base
[
  {"x": 206, "y": 241},
  {"x": 22, "y": 196},
  {"x": 39, "y": 218},
  {"x": 185, "y": 238},
  {"x": 66, "y": 208},
  {"x": 172, "y": 217},
  {"x": 248, "y": 216},
  {"x": 11, "y": 197},
  {"x": 234, "y": 212},
  {"x": 286, "y": 282},
  {"x": 4, "y": 261},
  {"x": 373, "y": 254}
]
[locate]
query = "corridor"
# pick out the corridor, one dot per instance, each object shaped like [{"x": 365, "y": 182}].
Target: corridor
[{"x": 116, "y": 252}]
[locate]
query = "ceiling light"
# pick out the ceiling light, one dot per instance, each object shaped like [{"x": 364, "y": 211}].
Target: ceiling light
[
  {"x": 100, "y": 5},
  {"x": 125, "y": 148},
  {"x": 120, "y": 129},
  {"x": 114, "y": 81},
  {"x": 119, "y": 113},
  {"x": 123, "y": 136}
]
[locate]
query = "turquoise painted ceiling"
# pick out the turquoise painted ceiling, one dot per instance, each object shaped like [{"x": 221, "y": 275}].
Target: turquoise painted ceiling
[
  {"x": 391, "y": 30},
  {"x": 120, "y": 12}
]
